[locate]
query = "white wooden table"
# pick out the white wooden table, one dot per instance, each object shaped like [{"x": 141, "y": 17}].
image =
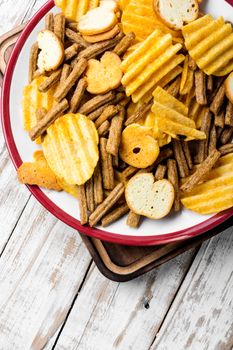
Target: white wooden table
[{"x": 53, "y": 297}]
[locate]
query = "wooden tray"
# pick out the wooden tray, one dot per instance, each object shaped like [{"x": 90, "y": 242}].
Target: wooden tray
[{"x": 117, "y": 262}]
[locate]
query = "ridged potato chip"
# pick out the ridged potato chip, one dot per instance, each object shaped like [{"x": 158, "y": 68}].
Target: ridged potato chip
[
  {"x": 172, "y": 116},
  {"x": 71, "y": 148},
  {"x": 33, "y": 99},
  {"x": 150, "y": 62},
  {"x": 139, "y": 17},
  {"x": 210, "y": 44},
  {"x": 74, "y": 9},
  {"x": 38, "y": 156},
  {"x": 215, "y": 194}
]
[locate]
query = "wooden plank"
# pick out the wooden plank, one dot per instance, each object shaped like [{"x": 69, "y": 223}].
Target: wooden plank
[
  {"x": 110, "y": 315},
  {"x": 13, "y": 12},
  {"x": 13, "y": 197},
  {"x": 41, "y": 270},
  {"x": 201, "y": 315}
]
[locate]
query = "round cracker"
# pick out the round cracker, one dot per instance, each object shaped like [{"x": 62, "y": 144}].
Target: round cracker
[
  {"x": 104, "y": 36},
  {"x": 97, "y": 21}
]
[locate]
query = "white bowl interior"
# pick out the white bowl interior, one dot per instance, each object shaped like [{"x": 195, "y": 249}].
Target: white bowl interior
[{"x": 172, "y": 223}]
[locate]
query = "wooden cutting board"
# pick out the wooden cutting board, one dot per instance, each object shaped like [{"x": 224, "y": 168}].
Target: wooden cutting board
[{"x": 117, "y": 262}]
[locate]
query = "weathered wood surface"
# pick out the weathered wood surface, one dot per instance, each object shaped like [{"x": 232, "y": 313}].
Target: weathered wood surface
[{"x": 52, "y": 298}]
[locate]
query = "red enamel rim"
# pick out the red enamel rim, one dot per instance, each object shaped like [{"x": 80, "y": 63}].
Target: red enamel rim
[{"x": 46, "y": 202}]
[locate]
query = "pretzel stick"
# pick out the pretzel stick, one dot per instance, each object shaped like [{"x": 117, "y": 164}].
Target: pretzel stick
[
  {"x": 172, "y": 175},
  {"x": 98, "y": 187},
  {"x": 59, "y": 26},
  {"x": 49, "y": 22},
  {"x": 78, "y": 95},
  {"x": 201, "y": 172},
  {"x": 219, "y": 119},
  {"x": 200, "y": 87},
  {"x": 218, "y": 100},
  {"x": 71, "y": 51},
  {"x": 77, "y": 38},
  {"x": 107, "y": 204},
  {"x": 71, "y": 25},
  {"x": 226, "y": 135},
  {"x": 104, "y": 128},
  {"x": 160, "y": 172},
  {"x": 115, "y": 215},
  {"x": 106, "y": 164},
  {"x": 210, "y": 83},
  {"x": 50, "y": 81},
  {"x": 82, "y": 205},
  {"x": 124, "y": 44},
  {"x": 90, "y": 195},
  {"x": 77, "y": 71},
  {"x": 180, "y": 158},
  {"x": 174, "y": 88},
  {"x": 225, "y": 149},
  {"x": 203, "y": 144},
  {"x": 96, "y": 102},
  {"x": 212, "y": 139},
  {"x": 229, "y": 114},
  {"x": 115, "y": 131},
  {"x": 187, "y": 153},
  {"x": 109, "y": 112},
  {"x": 33, "y": 61},
  {"x": 133, "y": 219},
  {"x": 54, "y": 113},
  {"x": 40, "y": 113}
]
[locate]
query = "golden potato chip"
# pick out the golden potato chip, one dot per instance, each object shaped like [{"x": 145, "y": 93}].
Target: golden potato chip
[
  {"x": 172, "y": 116},
  {"x": 38, "y": 156},
  {"x": 138, "y": 146},
  {"x": 215, "y": 194},
  {"x": 70, "y": 189},
  {"x": 152, "y": 122},
  {"x": 151, "y": 61},
  {"x": 139, "y": 17},
  {"x": 33, "y": 99},
  {"x": 123, "y": 4},
  {"x": 74, "y": 9},
  {"x": 187, "y": 78},
  {"x": 71, "y": 148},
  {"x": 210, "y": 44}
]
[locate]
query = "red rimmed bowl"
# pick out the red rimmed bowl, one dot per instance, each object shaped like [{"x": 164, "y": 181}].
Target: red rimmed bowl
[{"x": 173, "y": 228}]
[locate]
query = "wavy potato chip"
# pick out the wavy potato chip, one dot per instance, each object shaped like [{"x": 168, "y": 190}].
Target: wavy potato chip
[
  {"x": 210, "y": 43},
  {"x": 71, "y": 148},
  {"x": 139, "y": 17},
  {"x": 215, "y": 194},
  {"x": 38, "y": 156},
  {"x": 33, "y": 99},
  {"x": 74, "y": 9},
  {"x": 151, "y": 61},
  {"x": 172, "y": 116}
]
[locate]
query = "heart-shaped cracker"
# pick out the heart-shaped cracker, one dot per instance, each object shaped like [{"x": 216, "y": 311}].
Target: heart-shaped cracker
[
  {"x": 146, "y": 197},
  {"x": 52, "y": 51},
  {"x": 104, "y": 75}
]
